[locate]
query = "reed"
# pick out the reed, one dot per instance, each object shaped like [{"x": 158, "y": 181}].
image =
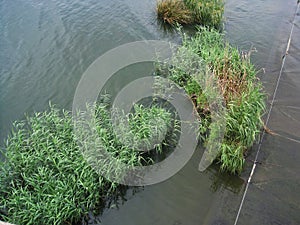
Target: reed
[
  {"x": 237, "y": 81},
  {"x": 202, "y": 12},
  {"x": 173, "y": 12},
  {"x": 45, "y": 178}
]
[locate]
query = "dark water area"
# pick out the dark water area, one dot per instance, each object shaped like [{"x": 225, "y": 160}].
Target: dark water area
[{"x": 45, "y": 46}]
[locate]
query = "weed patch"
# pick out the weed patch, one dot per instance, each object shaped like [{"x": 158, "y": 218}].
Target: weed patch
[
  {"x": 202, "y": 12},
  {"x": 45, "y": 178},
  {"x": 236, "y": 79}
]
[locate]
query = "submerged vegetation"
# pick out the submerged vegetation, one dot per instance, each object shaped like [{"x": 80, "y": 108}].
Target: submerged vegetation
[
  {"x": 45, "y": 178},
  {"x": 202, "y": 12},
  {"x": 237, "y": 82}
]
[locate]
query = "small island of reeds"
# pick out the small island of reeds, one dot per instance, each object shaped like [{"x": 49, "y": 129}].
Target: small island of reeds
[
  {"x": 201, "y": 12},
  {"x": 241, "y": 90}
]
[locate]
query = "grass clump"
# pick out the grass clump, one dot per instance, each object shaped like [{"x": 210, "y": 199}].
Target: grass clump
[
  {"x": 45, "y": 178},
  {"x": 173, "y": 12},
  {"x": 237, "y": 82},
  {"x": 144, "y": 132},
  {"x": 202, "y": 12}
]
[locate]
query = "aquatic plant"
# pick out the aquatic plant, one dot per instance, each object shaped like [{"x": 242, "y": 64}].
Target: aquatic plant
[
  {"x": 45, "y": 178},
  {"x": 202, "y": 12},
  {"x": 238, "y": 84},
  {"x": 143, "y": 124},
  {"x": 174, "y": 11},
  {"x": 206, "y": 12}
]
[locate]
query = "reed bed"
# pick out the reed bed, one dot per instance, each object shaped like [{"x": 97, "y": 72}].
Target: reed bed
[
  {"x": 47, "y": 179},
  {"x": 239, "y": 86},
  {"x": 201, "y": 12}
]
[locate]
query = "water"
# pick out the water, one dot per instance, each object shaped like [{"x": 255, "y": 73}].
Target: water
[{"x": 45, "y": 46}]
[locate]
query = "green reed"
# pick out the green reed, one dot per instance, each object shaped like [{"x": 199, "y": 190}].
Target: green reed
[
  {"x": 202, "y": 12},
  {"x": 47, "y": 179},
  {"x": 237, "y": 82}
]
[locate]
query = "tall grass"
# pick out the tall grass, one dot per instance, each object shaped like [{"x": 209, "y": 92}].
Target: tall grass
[
  {"x": 239, "y": 86},
  {"x": 173, "y": 12},
  {"x": 144, "y": 132},
  {"x": 45, "y": 178},
  {"x": 202, "y": 12},
  {"x": 207, "y": 12}
]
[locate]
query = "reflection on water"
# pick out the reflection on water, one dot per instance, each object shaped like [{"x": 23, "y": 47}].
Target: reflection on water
[{"x": 45, "y": 46}]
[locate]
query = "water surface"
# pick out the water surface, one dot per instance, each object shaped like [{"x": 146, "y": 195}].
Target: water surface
[{"x": 45, "y": 46}]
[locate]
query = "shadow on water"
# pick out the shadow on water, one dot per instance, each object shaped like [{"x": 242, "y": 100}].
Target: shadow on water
[{"x": 186, "y": 198}]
